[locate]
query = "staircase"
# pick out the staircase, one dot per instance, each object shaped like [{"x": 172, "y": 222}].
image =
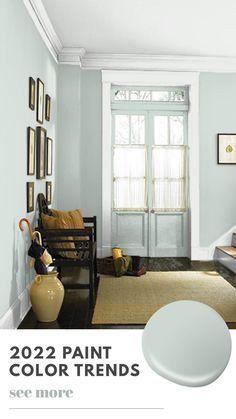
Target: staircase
[{"x": 227, "y": 254}]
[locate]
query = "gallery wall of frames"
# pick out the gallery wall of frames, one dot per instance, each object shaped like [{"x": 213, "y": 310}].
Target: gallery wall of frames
[{"x": 39, "y": 143}]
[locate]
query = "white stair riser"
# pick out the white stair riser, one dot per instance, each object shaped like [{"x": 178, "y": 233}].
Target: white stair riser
[
  {"x": 226, "y": 260},
  {"x": 234, "y": 239}
]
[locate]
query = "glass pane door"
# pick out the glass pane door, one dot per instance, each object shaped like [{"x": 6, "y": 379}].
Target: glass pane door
[
  {"x": 129, "y": 183},
  {"x": 168, "y": 219},
  {"x": 149, "y": 182}
]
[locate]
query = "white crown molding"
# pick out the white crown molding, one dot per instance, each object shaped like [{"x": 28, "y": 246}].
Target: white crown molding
[
  {"x": 44, "y": 26},
  {"x": 158, "y": 62},
  {"x": 71, "y": 56}
]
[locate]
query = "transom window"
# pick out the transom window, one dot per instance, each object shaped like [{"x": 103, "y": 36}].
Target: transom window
[{"x": 162, "y": 94}]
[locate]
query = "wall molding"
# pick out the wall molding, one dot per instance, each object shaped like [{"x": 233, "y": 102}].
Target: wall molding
[
  {"x": 15, "y": 314},
  {"x": 43, "y": 24},
  {"x": 72, "y": 56},
  {"x": 158, "y": 62}
]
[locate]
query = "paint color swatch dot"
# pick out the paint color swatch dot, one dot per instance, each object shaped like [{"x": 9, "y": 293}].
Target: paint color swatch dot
[{"x": 187, "y": 342}]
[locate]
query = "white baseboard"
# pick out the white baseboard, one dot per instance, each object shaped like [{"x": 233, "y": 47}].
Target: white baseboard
[
  {"x": 208, "y": 253},
  {"x": 105, "y": 251},
  {"x": 15, "y": 314},
  {"x": 99, "y": 252},
  {"x": 197, "y": 253},
  {"x": 200, "y": 253}
]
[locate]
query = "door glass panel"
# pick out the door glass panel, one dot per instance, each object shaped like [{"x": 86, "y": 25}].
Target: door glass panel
[
  {"x": 137, "y": 129},
  {"x": 129, "y": 175},
  {"x": 169, "y": 178},
  {"x": 129, "y": 161},
  {"x": 122, "y": 129},
  {"x": 169, "y": 195},
  {"x": 161, "y": 130},
  {"x": 176, "y": 129},
  {"x": 168, "y": 162},
  {"x": 129, "y": 193}
]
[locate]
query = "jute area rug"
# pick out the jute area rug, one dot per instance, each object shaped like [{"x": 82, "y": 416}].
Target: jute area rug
[{"x": 132, "y": 300}]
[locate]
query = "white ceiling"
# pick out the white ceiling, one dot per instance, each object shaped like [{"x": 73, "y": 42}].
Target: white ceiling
[{"x": 168, "y": 27}]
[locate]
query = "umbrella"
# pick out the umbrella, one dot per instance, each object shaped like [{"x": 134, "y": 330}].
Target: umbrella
[{"x": 36, "y": 250}]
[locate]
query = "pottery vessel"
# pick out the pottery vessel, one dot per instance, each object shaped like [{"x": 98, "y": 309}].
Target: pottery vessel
[{"x": 46, "y": 296}]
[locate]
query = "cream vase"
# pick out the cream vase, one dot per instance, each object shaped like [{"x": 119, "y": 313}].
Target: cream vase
[{"x": 46, "y": 296}]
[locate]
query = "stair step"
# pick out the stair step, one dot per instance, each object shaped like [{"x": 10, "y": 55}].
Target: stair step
[
  {"x": 226, "y": 255},
  {"x": 229, "y": 250},
  {"x": 233, "y": 239}
]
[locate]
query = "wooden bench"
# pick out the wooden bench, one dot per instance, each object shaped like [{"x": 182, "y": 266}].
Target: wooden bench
[{"x": 84, "y": 250}]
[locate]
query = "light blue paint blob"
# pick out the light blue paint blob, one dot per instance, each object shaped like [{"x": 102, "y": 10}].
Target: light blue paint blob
[{"x": 188, "y": 343}]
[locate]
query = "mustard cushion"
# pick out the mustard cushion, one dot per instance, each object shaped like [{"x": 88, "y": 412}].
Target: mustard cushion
[
  {"x": 73, "y": 219},
  {"x": 61, "y": 222}
]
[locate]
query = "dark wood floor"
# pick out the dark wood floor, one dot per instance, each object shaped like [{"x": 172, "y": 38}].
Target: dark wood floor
[{"x": 77, "y": 314}]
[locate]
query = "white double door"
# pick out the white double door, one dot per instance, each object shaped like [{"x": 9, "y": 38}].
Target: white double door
[{"x": 161, "y": 227}]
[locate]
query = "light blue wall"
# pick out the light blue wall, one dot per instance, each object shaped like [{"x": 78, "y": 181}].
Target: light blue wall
[
  {"x": 77, "y": 178},
  {"x": 217, "y": 182},
  {"x": 68, "y": 163},
  {"x": 91, "y": 146},
  {"x": 23, "y": 54},
  {"x": 80, "y": 141}
]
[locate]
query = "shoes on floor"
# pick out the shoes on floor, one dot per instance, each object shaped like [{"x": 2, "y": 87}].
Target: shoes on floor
[{"x": 140, "y": 272}]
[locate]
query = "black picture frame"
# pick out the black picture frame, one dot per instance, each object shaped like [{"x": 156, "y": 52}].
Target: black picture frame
[
  {"x": 49, "y": 157},
  {"x": 30, "y": 196},
  {"x": 47, "y": 107},
  {"x": 48, "y": 193},
  {"x": 226, "y": 148},
  {"x": 41, "y": 135},
  {"x": 31, "y": 93},
  {"x": 30, "y": 151},
  {"x": 40, "y": 101}
]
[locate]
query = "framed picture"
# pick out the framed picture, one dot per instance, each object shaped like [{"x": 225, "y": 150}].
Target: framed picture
[
  {"x": 31, "y": 93},
  {"x": 47, "y": 107},
  {"x": 30, "y": 151},
  {"x": 40, "y": 101},
  {"x": 49, "y": 157},
  {"x": 41, "y": 135},
  {"x": 226, "y": 148},
  {"x": 49, "y": 192},
  {"x": 30, "y": 196}
]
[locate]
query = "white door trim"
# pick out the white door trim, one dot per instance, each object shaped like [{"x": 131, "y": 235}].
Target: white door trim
[{"x": 150, "y": 78}]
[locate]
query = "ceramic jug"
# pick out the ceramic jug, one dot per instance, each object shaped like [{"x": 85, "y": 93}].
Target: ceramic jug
[{"x": 46, "y": 296}]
